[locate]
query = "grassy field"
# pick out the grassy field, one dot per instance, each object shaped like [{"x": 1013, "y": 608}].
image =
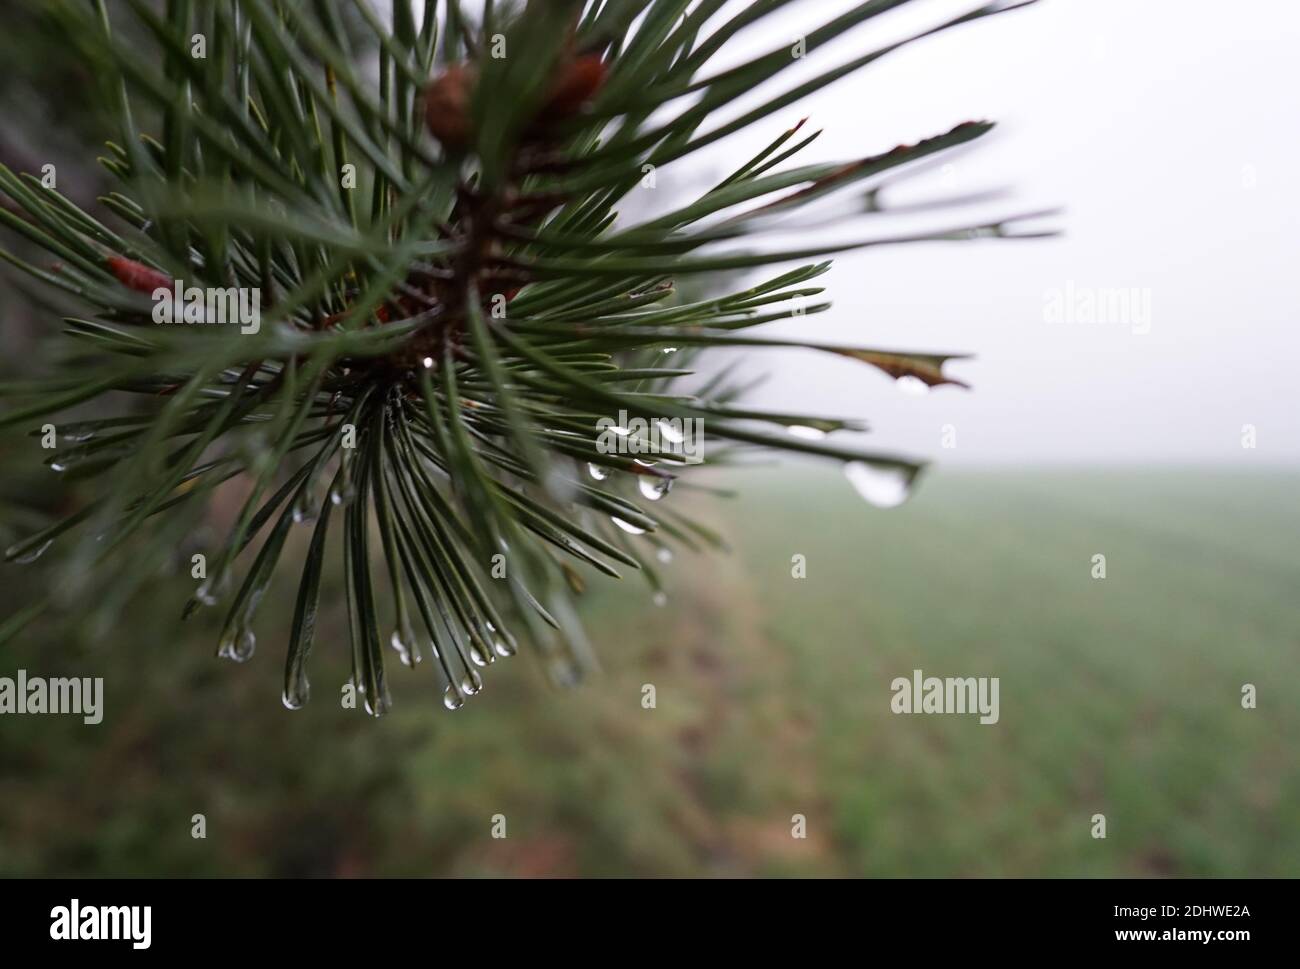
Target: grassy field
[{"x": 1119, "y": 696}]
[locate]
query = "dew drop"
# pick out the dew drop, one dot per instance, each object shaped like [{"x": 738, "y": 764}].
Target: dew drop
[
  {"x": 304, "y": 507},
  {"x": 378, "y": 705},
  {"x": 669, "y": 433},
  {"x": 245, "y": 646},
  {"x": 296, "y": 695},
  {"x": 451, "y": 698},
  {"x": 668, "y": 350},
  {"x": 664, "y": 554},
  {"x": 807, "y": 433},
  {"x": 343, "y": 490},
  {"x": 32, "y": 554},
  {"x": 597, "y": 472},
  {"x": 479, "y": 656},
  {"x": 912, "y": 385},
  {"x": 882, "y": 485},
  {"x": 342, "y": 494},
  {"x": 211, "y": 590},
  {"x": 627, "y": 526},
  {"x": 660, "y": 598},
  {"x": 471, "y": 679},
  {"x": 78, "y": 433},
  {"x": 504, "y": 649},
  {"x": 239, "y": 646},
  {"x": 403, "y": 640},
  {"x": 654, "y": 487}
]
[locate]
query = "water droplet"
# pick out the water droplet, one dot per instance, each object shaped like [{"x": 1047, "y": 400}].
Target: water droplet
[
  {"x": 660, "y": 598},
  {"x": 211, "y": 590},
  {"x": 378, "y": 705},
  {"x": 245, "y": 646},
  {"x": 664, "y": 554},
  {"x": 343, "y": 493},
  {"x": 669, "y": 433},
  {"x": 343, "y": 490},
  {"x": 239, "y": 646},
  {"x": 31, "y": 555},
  {"x": 472, "y": 683},
  {"x": 408, "y": 650},
  {"x": 297, "y": 694},
  {"x": 667, "y": 350},
  {"x": 654, "y": 487},
  {"x": 504, "y": 649},
  {"x": 597, "y": 472},
  {"x": 912, "y": 386},
  {"x": 807, "y": 433},
  {"x": 479, "y": 656},
  {"x": 451, "y": 698},
  {"x": 304, "y": 507},
  {"x": 78, "y": 433},
  {"x": 883, "y": 485},
  {"x": 627, "y": 526}
]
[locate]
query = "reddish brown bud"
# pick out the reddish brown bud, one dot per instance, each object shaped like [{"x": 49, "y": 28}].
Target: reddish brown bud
[
  {"x": 576, "y": 84},
  {"x": 447, "y": 98},
  {"x": 446, "y": 106},
  {"x": 138, "y": 276}
]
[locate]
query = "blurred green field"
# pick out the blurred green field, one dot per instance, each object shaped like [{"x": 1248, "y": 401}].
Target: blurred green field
[{"x": 1118, "y": 696}]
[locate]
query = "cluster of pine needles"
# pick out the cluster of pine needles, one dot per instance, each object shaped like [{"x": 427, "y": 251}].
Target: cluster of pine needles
[{"x": 426, "y": 204}]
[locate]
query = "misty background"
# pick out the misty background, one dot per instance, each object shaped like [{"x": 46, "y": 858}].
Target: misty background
[{"x": 1163, "y": 130}]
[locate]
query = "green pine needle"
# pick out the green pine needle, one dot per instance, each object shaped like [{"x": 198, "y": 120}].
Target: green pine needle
[{"x": 450, "y": 321}]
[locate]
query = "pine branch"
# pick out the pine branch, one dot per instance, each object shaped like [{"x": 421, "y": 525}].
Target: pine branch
[{"x": 437, "y": 372}]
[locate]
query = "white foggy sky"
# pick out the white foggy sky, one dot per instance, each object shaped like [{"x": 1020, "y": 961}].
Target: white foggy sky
[{"x": 1138, "y": 117}]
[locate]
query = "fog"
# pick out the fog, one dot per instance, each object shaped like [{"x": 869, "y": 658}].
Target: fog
[{"x": 1166, "y": 132}]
